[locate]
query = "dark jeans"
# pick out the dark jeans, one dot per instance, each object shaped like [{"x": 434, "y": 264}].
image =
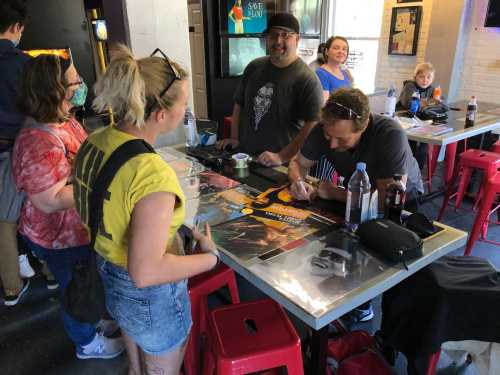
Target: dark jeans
[{"x": 61, "y": 263}]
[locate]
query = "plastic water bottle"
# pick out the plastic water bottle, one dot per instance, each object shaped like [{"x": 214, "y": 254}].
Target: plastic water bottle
[
  {"x": 190, "y": 128},
  {"x": 414, "y": 103},
  {"x": 470, "y": 118},
  {"x": 395, "y": 195},
  {"x": 358, "y": 198},
  {"x": 390, "y": 102}
]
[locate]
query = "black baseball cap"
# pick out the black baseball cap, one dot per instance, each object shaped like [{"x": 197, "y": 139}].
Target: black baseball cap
[{"x": 283, "y": 21}]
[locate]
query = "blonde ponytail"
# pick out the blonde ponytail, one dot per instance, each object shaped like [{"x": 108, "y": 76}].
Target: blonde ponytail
[{"x": 129, "y": 84}]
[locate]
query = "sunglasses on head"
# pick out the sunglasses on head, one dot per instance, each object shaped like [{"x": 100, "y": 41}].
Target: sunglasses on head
[
  {"x": 341, "y": 111},
  {"x": 173, "y": 72}
]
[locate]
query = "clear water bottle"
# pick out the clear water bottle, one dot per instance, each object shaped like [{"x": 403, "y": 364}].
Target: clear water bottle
[
  {"x": 414, "y": 103},
  {"x": 358, "y": 197},
  {"x": 470, "y": 118},
  {"x": 390, "y": 102},
  {"x": 190, "y": 128}
]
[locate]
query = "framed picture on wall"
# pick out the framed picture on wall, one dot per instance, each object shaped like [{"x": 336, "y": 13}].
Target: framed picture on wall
[{"x": 405, "y": 26}]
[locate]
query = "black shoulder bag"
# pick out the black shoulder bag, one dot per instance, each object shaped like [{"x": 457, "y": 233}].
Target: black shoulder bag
[{"x": 84, "y": 298}]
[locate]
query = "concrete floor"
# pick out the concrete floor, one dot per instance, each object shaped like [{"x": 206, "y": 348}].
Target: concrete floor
[{"x": 32, "y": 339}]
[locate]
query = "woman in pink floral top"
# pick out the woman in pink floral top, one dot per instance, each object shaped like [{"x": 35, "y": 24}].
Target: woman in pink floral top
[{"x": 42, "y": 165}]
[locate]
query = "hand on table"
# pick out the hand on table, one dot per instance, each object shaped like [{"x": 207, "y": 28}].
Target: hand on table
[
  {"x": 269, "y": 159},
  {"x": 222, "y": 144},
  {"x": 204, "y": 242},
  {"x": 302, "y": 191}
]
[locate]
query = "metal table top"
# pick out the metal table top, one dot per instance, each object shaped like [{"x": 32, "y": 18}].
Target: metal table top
[
  {"x": 319, "y": 299},
  {"x": 487, "y": 119}
]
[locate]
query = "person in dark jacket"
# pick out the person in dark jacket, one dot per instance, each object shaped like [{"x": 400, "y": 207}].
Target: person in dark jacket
[
  {"x": 12, "y": 266},
  {"x": 12, "y": 18}
]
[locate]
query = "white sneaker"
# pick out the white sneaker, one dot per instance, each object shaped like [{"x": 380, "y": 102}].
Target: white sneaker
[
  {"x": 25, "y": 270},
  {"x": 101, "y": 347},
  {"x": 107, "y": 327}
]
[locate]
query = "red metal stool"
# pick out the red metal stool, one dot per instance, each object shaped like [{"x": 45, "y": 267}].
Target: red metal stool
[
  {"x": 471, "y": 159},
  {"x": 200, "y": 287},
  {"x": 251, "y": 337},
  {"x": 491, "y": 189}
]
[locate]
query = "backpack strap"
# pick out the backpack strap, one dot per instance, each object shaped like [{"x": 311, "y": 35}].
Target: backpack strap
[{"x": 119, "y": 157}]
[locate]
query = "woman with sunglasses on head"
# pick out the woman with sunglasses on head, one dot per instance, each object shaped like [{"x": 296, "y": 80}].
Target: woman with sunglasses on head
[
  {"x": 140, "y": 258},
  {"x": 333, "y": 74},
  {"x": 42, "y": 164}
]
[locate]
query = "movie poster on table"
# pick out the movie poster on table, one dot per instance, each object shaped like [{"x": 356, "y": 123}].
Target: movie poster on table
[{"x": 246, "y": 16}]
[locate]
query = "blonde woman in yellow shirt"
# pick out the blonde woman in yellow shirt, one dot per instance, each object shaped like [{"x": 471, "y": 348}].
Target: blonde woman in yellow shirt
[{"x": 142, "y": 263}]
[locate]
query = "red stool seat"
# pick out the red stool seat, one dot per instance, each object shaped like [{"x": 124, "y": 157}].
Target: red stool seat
[
  {"x": 251, "y": 337},
  {"x": 492, "y": 188},
  {"x": 488, "y": 162},
  {"x": 200, "y": 287}
]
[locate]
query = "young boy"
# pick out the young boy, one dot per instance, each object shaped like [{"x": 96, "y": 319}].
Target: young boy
[{"x": 424, "y": 76}]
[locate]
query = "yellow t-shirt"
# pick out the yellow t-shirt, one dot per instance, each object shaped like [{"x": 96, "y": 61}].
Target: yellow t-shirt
[{"x": 142, "y": 175}]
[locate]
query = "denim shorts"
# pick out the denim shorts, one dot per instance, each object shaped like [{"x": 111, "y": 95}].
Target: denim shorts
[{"x": 156, "y": 318}]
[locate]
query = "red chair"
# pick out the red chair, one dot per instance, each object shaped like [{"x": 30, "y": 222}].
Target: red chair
[
  {"x": 488, "y": 162},
  {"x": 491, "y": 189},
  {"x": 200, "y": 287},
  {"x": 251, "y": 337}
]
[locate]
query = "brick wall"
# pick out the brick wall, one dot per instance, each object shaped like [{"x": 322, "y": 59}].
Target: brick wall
[
  {"x": 393, "y": 69},
  {"x": 481, "y": 68}
]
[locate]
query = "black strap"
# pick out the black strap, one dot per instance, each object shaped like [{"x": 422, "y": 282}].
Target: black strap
[{"x": 119, "y": 157}]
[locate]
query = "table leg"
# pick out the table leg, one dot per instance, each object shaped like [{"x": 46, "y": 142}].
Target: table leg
[
  {"x": 319, "y": 345},
  {"x": 451, "y": 152}
]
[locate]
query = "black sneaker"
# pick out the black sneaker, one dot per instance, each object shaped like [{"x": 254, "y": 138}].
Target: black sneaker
[{"x": 13, "y": 300}]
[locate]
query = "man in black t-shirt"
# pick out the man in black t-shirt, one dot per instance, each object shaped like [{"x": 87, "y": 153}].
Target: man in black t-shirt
[
  {"x": 278, "y": 100},
  {"x": 348, "y": 134}
]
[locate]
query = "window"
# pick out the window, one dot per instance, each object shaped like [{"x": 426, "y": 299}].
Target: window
[{"x": 360, "y": 21}]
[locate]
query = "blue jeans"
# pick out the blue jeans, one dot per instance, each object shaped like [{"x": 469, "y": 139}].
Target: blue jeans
[
  {"x": 157, "y": 318},
  {"x": 61, "y": 263}
]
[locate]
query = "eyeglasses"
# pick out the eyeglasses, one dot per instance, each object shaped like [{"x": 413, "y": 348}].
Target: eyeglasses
[
  {"x": 343, "y": 112},
  {"x": 76, "y": 83},
  {"x": 175, "y": 76},
  {"x": 275, "y": 35}
]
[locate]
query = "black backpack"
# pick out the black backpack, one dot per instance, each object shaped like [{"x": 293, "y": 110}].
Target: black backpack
[{"x": 84, "y": 297}]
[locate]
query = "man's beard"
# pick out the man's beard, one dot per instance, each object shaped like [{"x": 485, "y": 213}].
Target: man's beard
[{"x": 279, "y": 56}]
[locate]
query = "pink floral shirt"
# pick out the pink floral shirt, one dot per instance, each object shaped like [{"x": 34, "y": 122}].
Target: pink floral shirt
[{"x": 39, "y": 162}]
